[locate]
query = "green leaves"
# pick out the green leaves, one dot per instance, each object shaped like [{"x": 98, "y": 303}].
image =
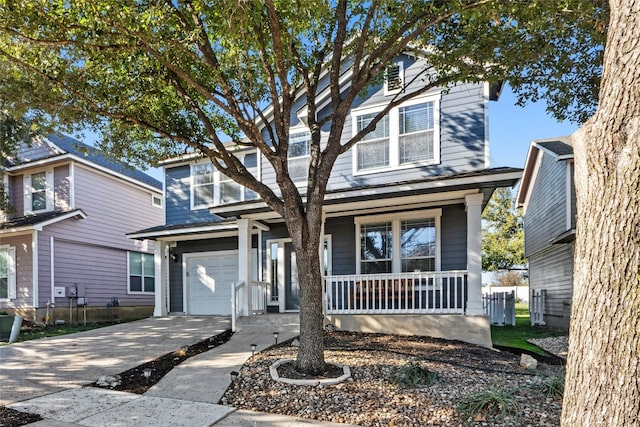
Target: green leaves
[{"x": 502, "y": 234}]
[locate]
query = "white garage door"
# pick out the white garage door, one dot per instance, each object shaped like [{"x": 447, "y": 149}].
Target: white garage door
[{"x": 209, "y": 279}]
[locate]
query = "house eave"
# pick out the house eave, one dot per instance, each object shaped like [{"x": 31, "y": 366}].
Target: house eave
[
  {"x": 195, "y": 231},
  {"x": 38, "y": 226},
  {"x": 506, "y": 178}
]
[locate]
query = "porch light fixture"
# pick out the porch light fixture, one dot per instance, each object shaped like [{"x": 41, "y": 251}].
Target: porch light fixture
[
  {"x": 234, "y": 375},
  {"x": 173, "y": 254},
  {"x": 146, "y": 373},
  {"x": 253, "y": 349},
  {"x": 275, "y": 336}
]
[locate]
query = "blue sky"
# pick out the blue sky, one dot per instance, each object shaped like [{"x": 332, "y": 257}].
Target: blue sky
[{"x": 512, "y": 128}]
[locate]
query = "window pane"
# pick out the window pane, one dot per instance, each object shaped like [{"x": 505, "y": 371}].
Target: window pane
[
  {"x": 38, "y": 201},
  {"x": 203, "y": 195},
  {"x": 149, "y": 265},
  {"x": 416, "y": 118},
  {"x": 373, "y": 154},
  {"x": 416, "y": 146},
  {"x": 381, "y": 130},
  {"x": 375, "y": 241},
  {"x": 4, "y": 263},
  {"x": 418, "y": 238},
  {"x": 135, "y": 263},
  {"x": 418, "y": 264},
  {"x": 149, "y": 284},
  {"x": 230, "y": 191},
  {"x": 374, "y": 267},
  {"x": 418, "y": 245},
  {"x": 4, "y": 287},
  {"x": 250, "y": 160},
  {"x": 203, "y": 174},
  {"x": 299, "y": 144},
  {"x": 39, "y": 181},
  {"x": 135, "y": 283},
  {"x": 299, "y": 168}
]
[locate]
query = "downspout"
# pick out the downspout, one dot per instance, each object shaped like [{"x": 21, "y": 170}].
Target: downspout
[
  {"x": 52, "y": 299},
  {"x": 34, "y": 256}
]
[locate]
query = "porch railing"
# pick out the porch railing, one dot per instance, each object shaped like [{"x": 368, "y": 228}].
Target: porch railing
[
  {"x": 258, "y": 299},
  {"x": 436, "y": 292}
]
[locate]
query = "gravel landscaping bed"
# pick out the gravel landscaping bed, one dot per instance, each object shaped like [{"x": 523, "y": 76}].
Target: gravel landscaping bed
[{"x": 374, "y": 398}]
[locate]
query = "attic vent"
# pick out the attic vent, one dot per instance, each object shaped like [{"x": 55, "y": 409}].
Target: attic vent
[{"x": 394, "y": 81}]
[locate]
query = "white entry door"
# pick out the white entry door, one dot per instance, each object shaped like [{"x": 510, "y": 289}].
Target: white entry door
[{"x": 208, "y": 281}]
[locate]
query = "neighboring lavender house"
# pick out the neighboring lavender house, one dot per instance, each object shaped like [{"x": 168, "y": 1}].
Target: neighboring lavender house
[
  {"x": 402, "y": 220},
  {"x": 70, "y": 211},
  {"x": 548, "y": 199}
]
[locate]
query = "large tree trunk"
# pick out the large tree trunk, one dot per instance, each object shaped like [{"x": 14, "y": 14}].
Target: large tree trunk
[
  {"x": 305, "y": 239},
  {"x": 603, "y": 367}
]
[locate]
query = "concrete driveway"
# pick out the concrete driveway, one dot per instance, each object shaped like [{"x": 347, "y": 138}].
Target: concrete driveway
[{"x": 36, "y": 368}]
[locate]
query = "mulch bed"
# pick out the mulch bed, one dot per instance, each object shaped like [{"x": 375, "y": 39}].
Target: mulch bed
[
  {"x": 133, "y": 381},
  {"x": 12, "y": 418}
]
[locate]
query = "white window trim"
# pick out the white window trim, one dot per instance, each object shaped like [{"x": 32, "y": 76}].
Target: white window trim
[
  {"x": 49, "y": 192},
  {"x": 387, "y": 91},
  {"x": 192, "y": 185},
  {"x": 301, "y": 129},
  {"x": 153, "y": 201},
  {"x": 11, "y": 282},
  {"x": 216, "y": 181},
  {"x": 155, "y": 280},
  {"x": 394, "y": 135},
  {"x": 396, "y": 220}
]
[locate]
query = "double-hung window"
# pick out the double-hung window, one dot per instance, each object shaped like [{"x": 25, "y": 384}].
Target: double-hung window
[
  {"x": 38, "y": 194},
  {"x": 406, "y": 136},
  {"x": 210, "y": 187},
  {"x": 299, "y": 155},
  {"x": 7, "y": 272},
  {"x": 373, "y": 150},
  {"x": 399, "y": 243},
  {"x": 141, "y": 273},
  {"x": 202, "y": 185}
]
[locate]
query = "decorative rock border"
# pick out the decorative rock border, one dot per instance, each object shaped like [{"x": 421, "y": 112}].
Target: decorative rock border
[{"x": 273, "y": 370}]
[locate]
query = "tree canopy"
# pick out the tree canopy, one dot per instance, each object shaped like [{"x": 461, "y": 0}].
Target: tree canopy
[
  {"x": 159, "y": 78},
  {"x": 502, "y": 233}
]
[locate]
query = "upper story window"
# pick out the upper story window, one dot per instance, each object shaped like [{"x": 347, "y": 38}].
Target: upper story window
[
  {"x": 211, "y": 187},
  {"x": 398, "y": 242},
  {"x": 156, "y": 201},
  {"x": 407, "y": 136},
  {"x": 7, "y": 272},
  {"x": 299, "y": 156},
  {"x": 394, "y": 78},
  {"x": 38, "y": 192}
]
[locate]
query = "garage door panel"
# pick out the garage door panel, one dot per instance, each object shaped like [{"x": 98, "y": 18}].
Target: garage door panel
[{"x": 209, "y": 278}]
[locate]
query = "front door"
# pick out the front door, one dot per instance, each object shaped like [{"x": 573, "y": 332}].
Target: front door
[{"x": 283, "y": 273}]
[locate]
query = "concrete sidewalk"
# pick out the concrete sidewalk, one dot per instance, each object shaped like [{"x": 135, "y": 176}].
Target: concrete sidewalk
[{"x": 187, "y": 396}]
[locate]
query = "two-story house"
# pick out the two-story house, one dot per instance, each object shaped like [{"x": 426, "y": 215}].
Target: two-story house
[
  {"x": 402, "y": 220},
  {"x": 63, "y": 244},
  {"x": 547, "y": 197}
]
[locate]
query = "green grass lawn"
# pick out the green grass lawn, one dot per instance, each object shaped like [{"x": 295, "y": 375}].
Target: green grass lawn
[{"x": 516, "y": 336}]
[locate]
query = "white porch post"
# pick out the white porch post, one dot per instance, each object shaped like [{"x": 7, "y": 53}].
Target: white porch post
[
  {"x": 473, "y": 204},
  {"x": 161, "y": 261},
  {"x": 244, "y": 264}
]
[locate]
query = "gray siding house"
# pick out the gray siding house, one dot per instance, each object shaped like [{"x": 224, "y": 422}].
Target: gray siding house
[
  {"x": 63, "y": 241},
  {"x": 548, "y": 200},
  {"x": 401, "y": 250}
]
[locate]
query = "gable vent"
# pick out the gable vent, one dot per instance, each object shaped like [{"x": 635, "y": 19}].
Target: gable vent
[{"x": 394, "y": 79}]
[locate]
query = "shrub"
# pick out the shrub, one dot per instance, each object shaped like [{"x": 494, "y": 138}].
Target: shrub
[
  {"x": 413, "y": 375},
  {"x": 487, "y": 405},
  {"x": 552, "y": 386}
]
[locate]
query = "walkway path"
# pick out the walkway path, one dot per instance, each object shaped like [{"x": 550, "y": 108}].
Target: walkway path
[{"x": 36, "y": 372}]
